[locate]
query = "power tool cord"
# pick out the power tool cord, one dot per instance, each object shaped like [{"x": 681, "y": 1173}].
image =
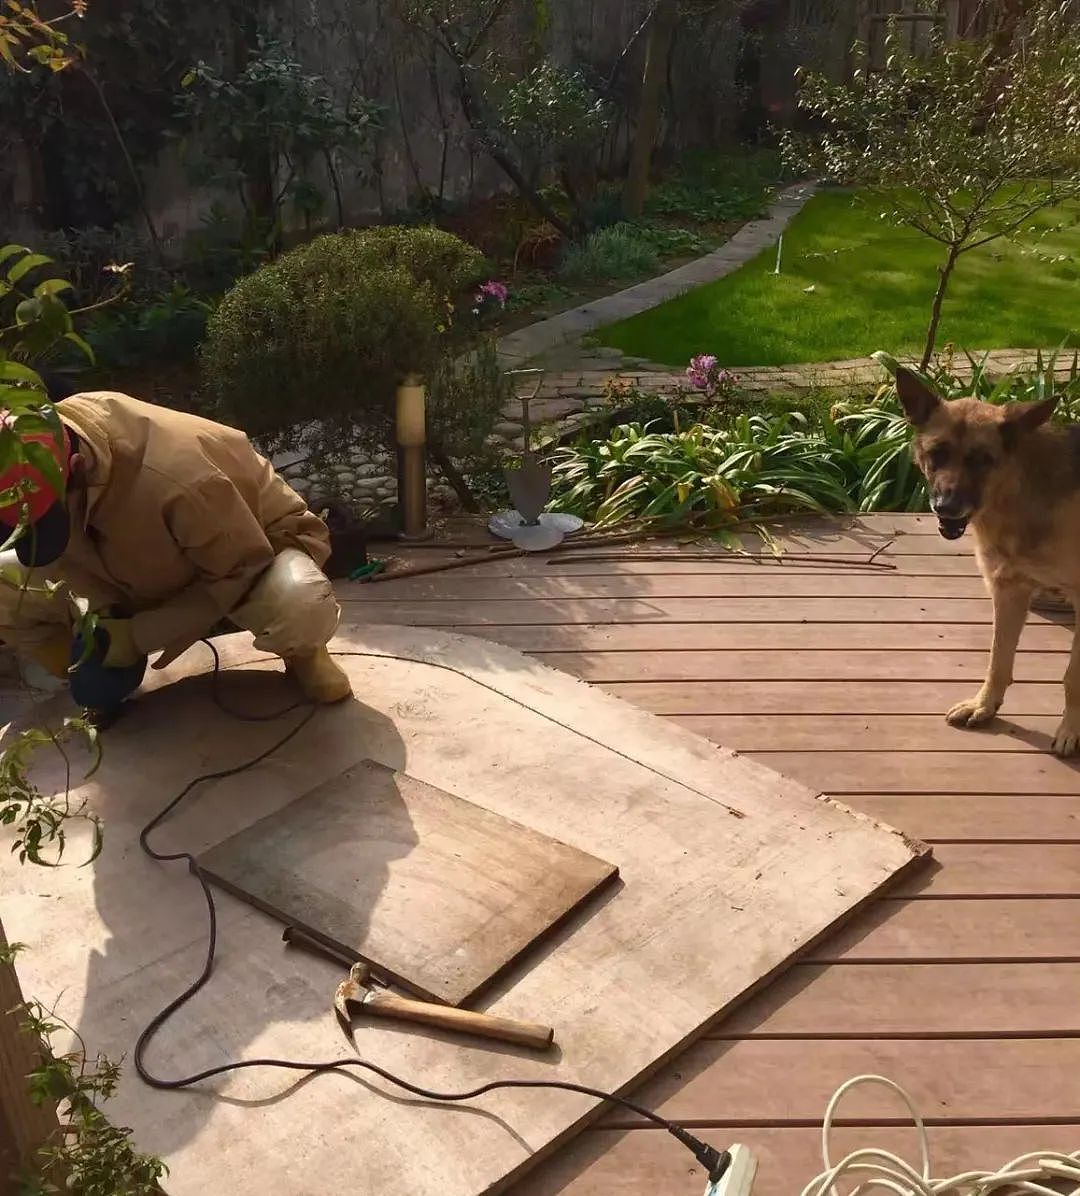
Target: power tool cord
[{"x": 714, "y": 1161}]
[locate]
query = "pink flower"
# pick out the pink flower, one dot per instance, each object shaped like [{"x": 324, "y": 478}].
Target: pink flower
[{"x": 493, "y": 290}]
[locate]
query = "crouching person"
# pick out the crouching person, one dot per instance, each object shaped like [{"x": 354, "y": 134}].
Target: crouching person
[{"x": 169, "y": 528}]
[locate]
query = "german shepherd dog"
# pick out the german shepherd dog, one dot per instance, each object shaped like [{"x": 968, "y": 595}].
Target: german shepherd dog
[{"x": 1016, "y": 481}]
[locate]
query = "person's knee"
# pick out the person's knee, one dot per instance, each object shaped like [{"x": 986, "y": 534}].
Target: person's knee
[{"x": 292, "y": 610}]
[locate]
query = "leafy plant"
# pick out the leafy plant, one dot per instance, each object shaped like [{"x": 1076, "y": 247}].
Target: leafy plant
[
  {"x": 167, "y": 329},
  {"x": 38, "y": 821},
  {"x": 704, "y": 203},
  {"x": 92, "y": 1157},
  {"x": 327, "y": 331},
  {"x": 754, "y": 468},
  {"x": 465, "y": 400},
  {"x": 552, "y": 115},
  {"x": 266, "y": 129},
  {"x": 964, "y": 143},
  {"x": 529, "y": 295},
  {"x": 620, "y": 251},
  {"x": 26, "y": 35},
  {"x": 671, "y": 241},
  {"x": 1030, "y": 384}
]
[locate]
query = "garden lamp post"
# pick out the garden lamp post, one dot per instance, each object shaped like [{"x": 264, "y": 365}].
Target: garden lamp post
[{"x": 412, "y": 466}]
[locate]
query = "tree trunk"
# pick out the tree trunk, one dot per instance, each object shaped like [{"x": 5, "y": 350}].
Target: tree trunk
[
  {"x": 24, "y": 1126},
  {"x": 454, "y": 476},
  {"x": 944, "y": 274},
  {"x": 470, "y": 108},
  {"x": 661, "y": 34}
]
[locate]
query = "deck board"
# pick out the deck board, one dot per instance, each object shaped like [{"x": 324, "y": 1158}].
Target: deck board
[{"x": 962, "y": 983}]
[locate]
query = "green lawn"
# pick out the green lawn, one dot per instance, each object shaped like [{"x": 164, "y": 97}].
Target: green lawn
[{"x": 872, "y": 284}]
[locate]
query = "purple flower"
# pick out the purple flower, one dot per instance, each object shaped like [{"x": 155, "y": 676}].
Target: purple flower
[
  {"x": 700, "y": 371},
  {"x": 704, "y": 374},
  {"x": 494, "y": 290}
]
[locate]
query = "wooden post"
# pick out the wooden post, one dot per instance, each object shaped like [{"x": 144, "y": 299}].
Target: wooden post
[{"x": 24, "y": 1127}]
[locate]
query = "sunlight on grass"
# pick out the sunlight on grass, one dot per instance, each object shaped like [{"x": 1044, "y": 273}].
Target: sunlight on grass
[{"x": 872, "y": 288}]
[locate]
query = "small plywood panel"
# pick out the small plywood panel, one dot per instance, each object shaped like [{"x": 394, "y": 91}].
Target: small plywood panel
[{"x": 436, "y": 892}]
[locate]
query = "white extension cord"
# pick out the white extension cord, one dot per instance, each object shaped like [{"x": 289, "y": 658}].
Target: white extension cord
[{"x": 875, "y": 1170}]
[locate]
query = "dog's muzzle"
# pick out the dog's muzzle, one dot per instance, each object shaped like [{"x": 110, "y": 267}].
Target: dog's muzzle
[{"x": 951, "y": 529}]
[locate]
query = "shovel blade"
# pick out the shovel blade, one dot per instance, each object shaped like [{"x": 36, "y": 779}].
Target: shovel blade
[{"x": 530, "y": 489}]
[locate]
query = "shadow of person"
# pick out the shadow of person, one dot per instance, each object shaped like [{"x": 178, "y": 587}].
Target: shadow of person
[{"x": 150, "y": 918}]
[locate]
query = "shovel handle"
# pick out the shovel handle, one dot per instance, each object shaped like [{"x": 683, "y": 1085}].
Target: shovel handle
[{"x": 462, "y": 1021}]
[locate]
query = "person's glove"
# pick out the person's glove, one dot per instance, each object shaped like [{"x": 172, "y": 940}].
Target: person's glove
[{"x": 122, "y": 653}]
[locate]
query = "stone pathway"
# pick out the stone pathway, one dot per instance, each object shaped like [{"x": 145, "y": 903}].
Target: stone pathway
[{"x": 521, "y": 347}]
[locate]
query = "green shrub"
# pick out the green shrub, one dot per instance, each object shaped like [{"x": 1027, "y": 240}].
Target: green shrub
[
  {"x": 704, "y": 203},
  {"x": 466, "y": 400},
  {"x": 327, "y": 331},
  {"x": 167, "y": 329},
  {"x": 616, "y": 252},
  {"x": 672, "y": 242}
]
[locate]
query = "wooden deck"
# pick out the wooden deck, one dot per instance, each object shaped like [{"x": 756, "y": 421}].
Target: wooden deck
[{"x": 965, "y": 986}]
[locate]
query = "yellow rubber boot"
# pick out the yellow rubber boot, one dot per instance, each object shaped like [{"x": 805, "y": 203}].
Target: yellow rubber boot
[{"x": 320, "y": 677}]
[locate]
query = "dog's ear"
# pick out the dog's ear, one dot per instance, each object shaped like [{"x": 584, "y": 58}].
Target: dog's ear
[
  {"x": 1020, "y": 418},
  {"x": 918, "y": 399}
]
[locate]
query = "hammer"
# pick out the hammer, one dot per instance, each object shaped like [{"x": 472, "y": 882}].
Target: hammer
[{"x": 357, "y": 992}]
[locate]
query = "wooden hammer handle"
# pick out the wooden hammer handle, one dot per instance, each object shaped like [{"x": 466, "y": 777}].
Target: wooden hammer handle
[{"x": 463, "y": 1021}]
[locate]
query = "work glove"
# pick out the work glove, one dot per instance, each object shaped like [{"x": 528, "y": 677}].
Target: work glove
[{"x": 122, "y": 652}]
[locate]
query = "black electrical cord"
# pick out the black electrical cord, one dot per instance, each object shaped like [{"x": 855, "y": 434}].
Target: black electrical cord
[{"x": 715, "y": 1162}]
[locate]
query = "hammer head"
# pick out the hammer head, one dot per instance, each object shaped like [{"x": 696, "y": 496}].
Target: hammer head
[{"x": 353, "y": 990}]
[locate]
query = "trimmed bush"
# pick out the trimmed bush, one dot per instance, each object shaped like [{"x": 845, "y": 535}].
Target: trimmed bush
[{"x": 327, "y": 331}]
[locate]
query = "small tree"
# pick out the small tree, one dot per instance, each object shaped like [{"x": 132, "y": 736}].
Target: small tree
[
  {"x": 275, "y": 119},
  {"x": 548, "y": 109},
  {"x": 964, "y": 143},
  {"x": 326, "y": 333}
]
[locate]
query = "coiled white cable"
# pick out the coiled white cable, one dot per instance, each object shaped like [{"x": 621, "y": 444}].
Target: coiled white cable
[{"x": 881, "y": 1171}]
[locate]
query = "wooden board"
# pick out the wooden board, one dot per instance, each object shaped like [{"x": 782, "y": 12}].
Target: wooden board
[
  {"x": 777, "y": 637},
  {"x": 747, "y": 1083},
  {"x": 915, "y": 1000},
  {"x": 990, "y": 930},
  {"x": 437, "y": 893},
  {"x": 713, "y": 850}
]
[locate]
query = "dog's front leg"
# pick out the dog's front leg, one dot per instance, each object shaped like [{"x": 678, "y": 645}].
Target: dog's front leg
[
  {"x": 1067, "y": 739},
  {"x": 1011, "y": 602}
]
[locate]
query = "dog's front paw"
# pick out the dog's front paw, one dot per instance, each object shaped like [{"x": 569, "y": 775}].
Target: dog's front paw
[
  {"x": 972, "y": 713},
  {"x": 1067, "y": 740}
]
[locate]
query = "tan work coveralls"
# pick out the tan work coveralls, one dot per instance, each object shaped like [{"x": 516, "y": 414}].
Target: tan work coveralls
[{"x": 181, "y": 524}]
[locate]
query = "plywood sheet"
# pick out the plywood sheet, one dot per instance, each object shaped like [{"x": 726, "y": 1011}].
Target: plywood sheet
[
  {"x": 727, "y": 871},
  {"x": 436, "y": 892}
]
